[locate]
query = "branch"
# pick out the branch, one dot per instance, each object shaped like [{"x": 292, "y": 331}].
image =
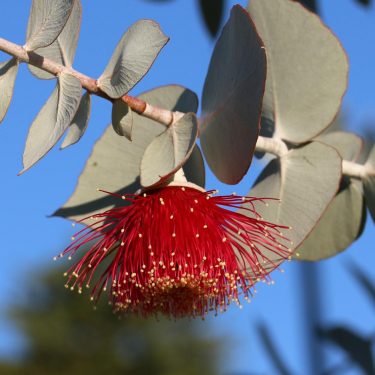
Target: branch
[
  {"x": 273, "y": 146},
  {"x": 139, "y": 106},
  {"x": 278, "y": 148}
]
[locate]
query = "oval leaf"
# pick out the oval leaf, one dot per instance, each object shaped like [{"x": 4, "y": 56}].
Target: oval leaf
[
  {"x": 194, "y": 168},
  {"x": 47, "y": 19},
  {"x": 122, "y": 119},
  {"x": 80, "y": 121},
  {"x": 232, "y": 99},
  {"x": 348, "y": 145},
  {"x": 339, "y": 227},
  {"x": 343, "y": 221},
  {"x": 8, "y": 73},
  {"x": 307, "y": 69},
  {"x": 63, "y": 49},
  {"x": 133, "y": 57},
  {"x": 53, "y": 119},
  {"x": 369, "y": 183},
  {"x": 115, "y": 161},
  {"x": 305, "y": 180},
  {"x": 168, "y": 152},
  {"x": 212, "y": 13}
]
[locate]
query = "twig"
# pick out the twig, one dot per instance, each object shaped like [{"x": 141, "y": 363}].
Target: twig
[
  {"x": 273, "y": 146},
  {"x": 139, "y": 106}
]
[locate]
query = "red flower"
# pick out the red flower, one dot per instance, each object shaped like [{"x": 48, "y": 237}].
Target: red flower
[{"x": 177, "y": 251}]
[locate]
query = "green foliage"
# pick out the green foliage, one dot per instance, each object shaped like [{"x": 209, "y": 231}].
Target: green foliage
[
  {"x": 63, "y": 49},
  {"x": 122, "y": 119},
  {"x": 212, "y": 13},
  {"x": 53, "y": 119},
  {"x": 344, "y": 219},
  {"x": 132, "y": 58},
  {"x": 305, "y": 180},
  {"x": 273, "y": 350},
  {"x": 47, "y": 19},
  {"x": 169, "y": 151},
  {"x": 80, "y": 121},
  {"x": 358, "y": 348},
  {"x": 112, "y": 150},
  {"x": 65, "y": 336},
  {"x": 232, "y": 98},
  {"x": 8, "y": 73},
  {"x": 306, "y": 79},
  {"x": 264, "y": 72}
]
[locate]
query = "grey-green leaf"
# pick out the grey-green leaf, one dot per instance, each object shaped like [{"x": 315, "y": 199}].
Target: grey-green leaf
[
  {"x": 8, "y": 73},
  {"x": 63, "y": 49},
  {"x": 168, "y": 152},
  {"x": 232, "y": 98},
  {"x": 369, "y": 183},
  {"x": 80, "y": 121},
  {"x": 339, "y": 226},
  {"x": 122, "y": 119},
  {"x": 306, "y": 180},
  {"x": 194, "y": 168},
  {"x": 307, "y": 69},
  {"x": 47, "y": 19},
  {"x": 348, "y": 145},
  {"x": 114, "y": 163},
  {"x": 132, "y": 58},
  {"x": 53, "y": 119},
  {"x": 342, "y": 222}
]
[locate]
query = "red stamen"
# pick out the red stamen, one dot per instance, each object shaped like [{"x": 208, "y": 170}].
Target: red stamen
[{"x": 177, "y": 251}]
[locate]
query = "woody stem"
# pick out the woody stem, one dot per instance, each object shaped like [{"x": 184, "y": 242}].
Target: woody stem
[
  {"x": 139, "y": 106},
  {"x": 269, "y": 145}
]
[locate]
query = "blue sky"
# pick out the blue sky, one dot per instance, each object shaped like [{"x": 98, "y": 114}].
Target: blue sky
[{"x": 30, "y": 239}]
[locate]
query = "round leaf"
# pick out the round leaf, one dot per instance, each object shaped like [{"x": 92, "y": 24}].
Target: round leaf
[
  {"x": 168, "y": 152},
  {"x": 343, "y": 221},
  {"x": 80, "y": 121},
  {"x": 47, "y": 19},
  {"x": 133, "y": 57},
  {"x": 307, "y": 69},
  {"x": 115, "y": 161},
  {"x": 122, "y": 119},
  {"x": 53, "y": 119},
  {"x": 305, "y": 180},
  {"x": 63, "y": 49},
  {"x": 339, "y": 227},
  {"x": 232, "y": 98},
  {"x": 348, "y": 145},
  {"x": 8, "y": 73}
]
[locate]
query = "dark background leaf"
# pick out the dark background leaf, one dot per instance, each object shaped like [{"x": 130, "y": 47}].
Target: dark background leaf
[
  {"x": 358, "y": 348},
  {"x": 363, "y": 280},
  {"x": 310, "y": 4},
  {"x": 212, "y": 13},
  {"x": 272, "y": 350},
  {"x": 364, "y": 2},
  {"x": 65, "y": 336}
]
